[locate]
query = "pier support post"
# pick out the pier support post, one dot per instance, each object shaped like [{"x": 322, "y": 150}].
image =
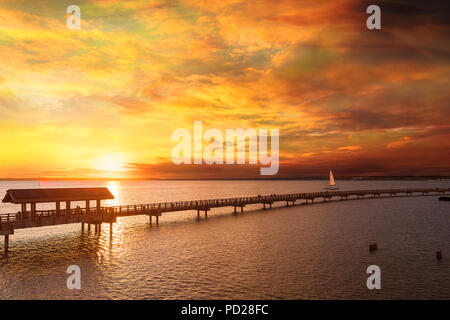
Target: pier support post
[
  {"x": 206, "y": 214},
  {"x": 67, "y": 207},
  {"x": 198, "y": 214},
  {"x": 89, "y": 227},
  {"x": 242, "y": 209},
  {"x": 6, "y": 242},
  {"x": 24, "y": 211},
  {"x": 6, "y": 233},
  {"x": 150, "y": 219},
  {"x": 235, "y": 210},
  {"x": 270, "y": 205},
  {"x": 110, "y": 229},
  {"x": 157, "y": 221},
  {"x": 99, "y": 227},
  {"x": 82, "y": 227},
  {"x": 264, "y": 206}
]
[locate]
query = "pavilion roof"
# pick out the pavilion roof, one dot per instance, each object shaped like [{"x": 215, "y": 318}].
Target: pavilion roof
[{"x": 56, "y": 195}]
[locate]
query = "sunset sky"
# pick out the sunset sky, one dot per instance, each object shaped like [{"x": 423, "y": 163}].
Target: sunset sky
[{"x": 104, "y": 100}]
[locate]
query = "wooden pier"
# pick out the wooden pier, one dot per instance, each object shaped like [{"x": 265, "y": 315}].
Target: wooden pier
[{"x": 103, "y": 214}]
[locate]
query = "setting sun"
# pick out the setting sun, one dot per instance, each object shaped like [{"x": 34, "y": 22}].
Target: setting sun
[{"x": 109, "y": 162}]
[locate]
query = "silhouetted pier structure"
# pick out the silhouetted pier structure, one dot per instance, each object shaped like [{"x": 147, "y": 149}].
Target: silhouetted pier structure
[{"x": 108, "y": 214}]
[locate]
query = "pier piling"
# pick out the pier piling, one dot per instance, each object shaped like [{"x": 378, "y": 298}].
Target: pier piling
[
  {"x": 6, "y": 233},
  {"x": 6, "y": 242}
]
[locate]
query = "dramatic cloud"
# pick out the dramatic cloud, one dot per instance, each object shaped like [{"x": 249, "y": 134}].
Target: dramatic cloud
[{"x": 363, "y": 102}]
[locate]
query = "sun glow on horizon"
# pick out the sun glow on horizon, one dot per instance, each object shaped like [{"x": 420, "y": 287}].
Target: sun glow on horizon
[{"x": 110, "y": 162}]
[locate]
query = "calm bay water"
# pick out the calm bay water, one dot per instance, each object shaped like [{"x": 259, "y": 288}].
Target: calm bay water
[{"x": 315, "y": 251}]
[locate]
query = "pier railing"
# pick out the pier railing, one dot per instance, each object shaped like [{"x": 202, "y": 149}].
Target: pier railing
[{"x": 200, "y": 205}]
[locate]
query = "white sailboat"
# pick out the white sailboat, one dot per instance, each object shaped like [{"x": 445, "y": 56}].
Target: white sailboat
[{"x": 332, "y": 185}]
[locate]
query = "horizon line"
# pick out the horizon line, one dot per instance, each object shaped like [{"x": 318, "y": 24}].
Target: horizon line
[{"x": 325, "y": 177}]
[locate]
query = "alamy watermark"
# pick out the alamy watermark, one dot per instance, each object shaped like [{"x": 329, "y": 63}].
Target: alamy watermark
[
  {"x": 74, "y": 280},
  {"x": 235, "y": 143},
  {"x": 374, "y": 20},
  {"x": 374, "y": 280},
  {"x": 74, "y": 18}
]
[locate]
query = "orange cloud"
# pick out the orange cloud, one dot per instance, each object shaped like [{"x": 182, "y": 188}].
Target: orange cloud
[{"x": 137, "y": 70}]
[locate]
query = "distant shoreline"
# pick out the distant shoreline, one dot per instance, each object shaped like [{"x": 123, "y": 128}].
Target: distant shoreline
[{"x": 371, "y": 178}]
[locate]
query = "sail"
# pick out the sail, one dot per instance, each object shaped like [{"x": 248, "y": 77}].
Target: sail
[{"x": 332, "y": 183}]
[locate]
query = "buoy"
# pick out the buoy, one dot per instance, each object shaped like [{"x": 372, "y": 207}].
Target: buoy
[
  {"x": 439, "y": 254},
  {"x": 373, "y": 246}
]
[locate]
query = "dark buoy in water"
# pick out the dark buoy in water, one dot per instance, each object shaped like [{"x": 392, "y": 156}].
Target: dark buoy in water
[
  {"x": 373, "y": 246},
  {"x": 439, "y": 254}
]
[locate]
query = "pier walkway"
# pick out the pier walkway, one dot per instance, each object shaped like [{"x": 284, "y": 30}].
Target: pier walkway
[{"x": 108, "y": 214}]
